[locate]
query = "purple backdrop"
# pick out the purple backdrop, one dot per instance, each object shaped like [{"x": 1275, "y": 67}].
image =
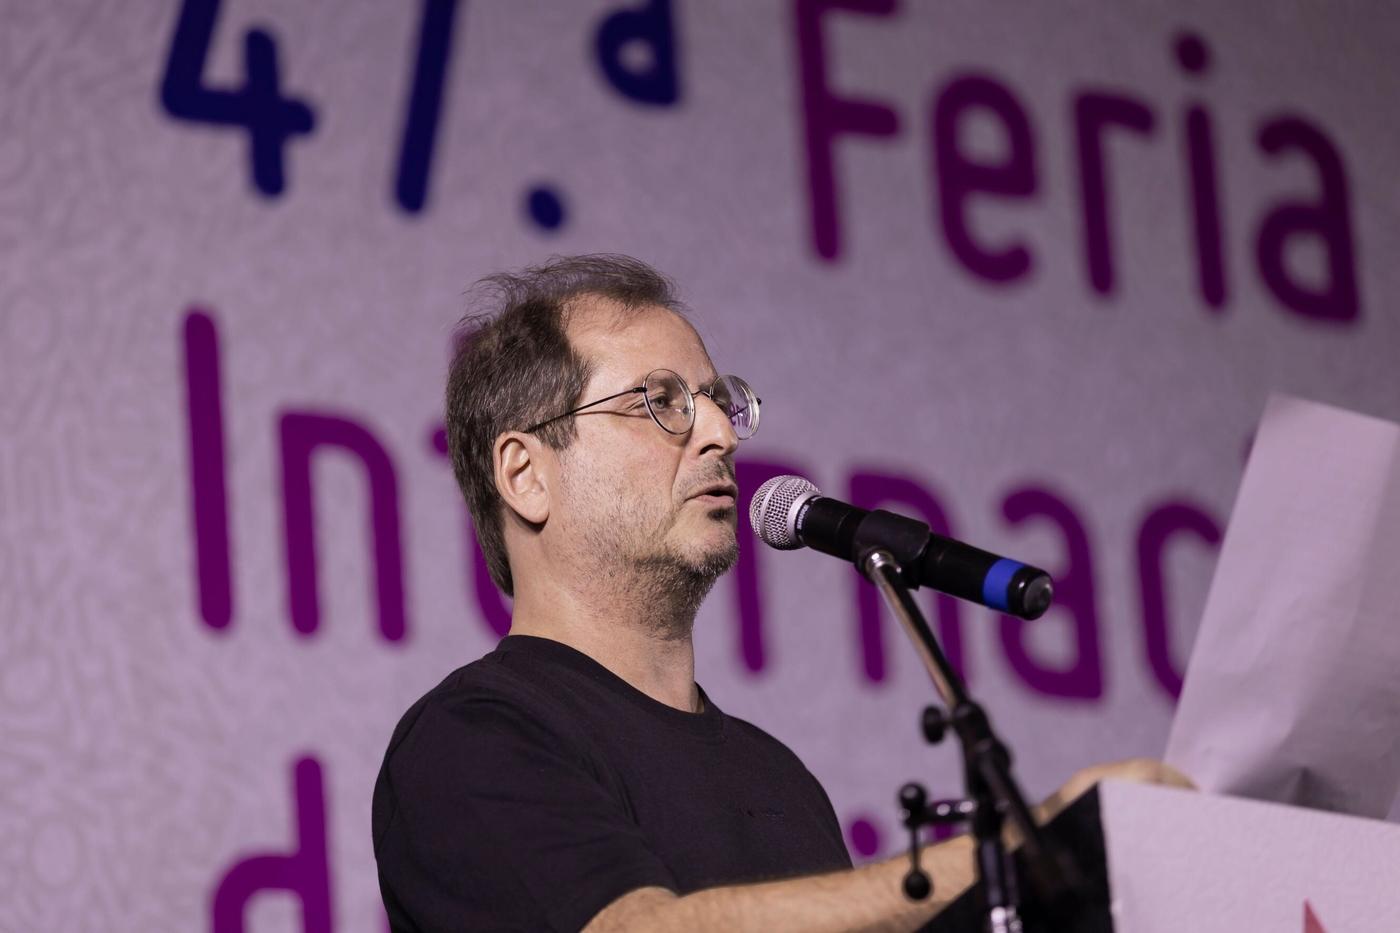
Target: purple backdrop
[{"x": 1026, "y": 271}]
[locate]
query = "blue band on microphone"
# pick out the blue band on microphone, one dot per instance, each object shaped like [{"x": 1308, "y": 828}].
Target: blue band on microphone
[{"x": 995, "y": 583}]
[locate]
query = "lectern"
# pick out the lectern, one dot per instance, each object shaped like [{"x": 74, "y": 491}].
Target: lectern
[{"x": 1162, "y": 860}]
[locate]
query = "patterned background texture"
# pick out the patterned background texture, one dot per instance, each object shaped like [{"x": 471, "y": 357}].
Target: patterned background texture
[{"x": 1028, "y": 271}]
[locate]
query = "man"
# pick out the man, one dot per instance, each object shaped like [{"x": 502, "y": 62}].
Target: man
[{"x": 578, "y": 777}]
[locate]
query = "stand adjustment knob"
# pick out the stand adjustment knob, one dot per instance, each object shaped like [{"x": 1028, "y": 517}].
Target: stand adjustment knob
[
  {"x": 934, "y": 723},
  {"x": 912, "y": 800}
]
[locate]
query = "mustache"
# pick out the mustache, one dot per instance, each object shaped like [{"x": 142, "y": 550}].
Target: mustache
[{"x": 723, "y": 475}]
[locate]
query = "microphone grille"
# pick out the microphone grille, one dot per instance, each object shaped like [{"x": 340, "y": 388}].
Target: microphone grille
[{"x": 773, "y": 510}]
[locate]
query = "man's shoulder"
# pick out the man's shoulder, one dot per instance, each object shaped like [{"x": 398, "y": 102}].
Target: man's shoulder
[
  {"x": 486, "y": 679},
  {"x": 752, "y": 733},
  {"x": 481, "y": 720},
  {"x": 745, "y": 731},
  {"x": 483, "y": 695}
]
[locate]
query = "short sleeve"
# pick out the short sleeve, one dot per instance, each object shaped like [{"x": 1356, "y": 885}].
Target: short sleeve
[{"x": 494, "y": 821}]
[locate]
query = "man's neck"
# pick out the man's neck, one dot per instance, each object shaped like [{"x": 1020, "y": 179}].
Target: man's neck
[{"x": 638, "y": 641}]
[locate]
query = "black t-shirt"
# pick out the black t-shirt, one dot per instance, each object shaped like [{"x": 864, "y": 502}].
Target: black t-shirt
[{"x": 533, "y": 787}]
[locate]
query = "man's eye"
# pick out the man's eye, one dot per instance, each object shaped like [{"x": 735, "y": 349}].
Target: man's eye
[{"x": 662, "y": 400}]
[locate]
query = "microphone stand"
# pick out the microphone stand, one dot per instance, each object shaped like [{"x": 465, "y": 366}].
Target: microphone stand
[{"x": 992, "y": 793}]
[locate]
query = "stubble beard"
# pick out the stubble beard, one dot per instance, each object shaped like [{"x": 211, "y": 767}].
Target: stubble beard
[
  {"x": 677, "y": 584},
  {"x": 662, "y": 585},
  {"x": 655, "y": 580}
]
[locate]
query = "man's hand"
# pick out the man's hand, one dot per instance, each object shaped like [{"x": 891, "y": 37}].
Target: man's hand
[
  {"x": 868, "y": 898},
  {"x": 1140, "y": 770}
]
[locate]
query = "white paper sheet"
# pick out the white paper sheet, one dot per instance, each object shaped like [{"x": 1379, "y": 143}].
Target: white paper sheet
[{"x": 1292, "y": 693}]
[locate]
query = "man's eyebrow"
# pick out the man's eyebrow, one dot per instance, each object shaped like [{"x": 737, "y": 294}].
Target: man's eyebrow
[{"x": 704, "y": 383}]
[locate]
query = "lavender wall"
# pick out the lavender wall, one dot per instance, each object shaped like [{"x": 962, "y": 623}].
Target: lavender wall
[{"x": 1027, "y": 271}]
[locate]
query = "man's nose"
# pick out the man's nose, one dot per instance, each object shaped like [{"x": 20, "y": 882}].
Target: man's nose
[{"x": 712, "y": 427}]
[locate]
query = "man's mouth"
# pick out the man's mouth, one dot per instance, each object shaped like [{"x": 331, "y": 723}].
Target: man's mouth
[{"x": 721, "y": 494}]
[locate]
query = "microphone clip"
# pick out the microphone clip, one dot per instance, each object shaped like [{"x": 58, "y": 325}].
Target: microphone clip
[
  {"x": 902, "y": 540},
  {"x": 916, "y": 813}
]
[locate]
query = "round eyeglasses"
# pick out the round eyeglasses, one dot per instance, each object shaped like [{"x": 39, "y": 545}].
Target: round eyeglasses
[{"x": 671, "y": 404}]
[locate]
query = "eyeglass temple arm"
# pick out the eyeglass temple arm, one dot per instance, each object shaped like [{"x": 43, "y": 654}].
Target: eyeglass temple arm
[
  {"x": 632, "y": 391},
  {"x": 740, "y": 411}
]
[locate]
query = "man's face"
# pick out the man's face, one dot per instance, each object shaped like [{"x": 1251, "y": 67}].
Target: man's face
[{"x": 634, "y": 497}]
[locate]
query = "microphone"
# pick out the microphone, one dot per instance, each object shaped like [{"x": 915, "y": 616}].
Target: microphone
[{"x": 788, "y": 512}]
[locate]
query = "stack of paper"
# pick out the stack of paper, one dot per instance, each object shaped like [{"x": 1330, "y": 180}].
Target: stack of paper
[{"x": 1293, "y": 689}]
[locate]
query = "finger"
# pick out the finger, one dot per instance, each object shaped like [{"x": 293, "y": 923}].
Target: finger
[{"x": 1171, "y": 777}]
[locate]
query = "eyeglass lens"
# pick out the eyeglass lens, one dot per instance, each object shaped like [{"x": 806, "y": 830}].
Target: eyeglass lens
[
  {"x": 736, "y": 399},
  {"x": 672, "y": 405},
  {"x": 669, "y": 401}
]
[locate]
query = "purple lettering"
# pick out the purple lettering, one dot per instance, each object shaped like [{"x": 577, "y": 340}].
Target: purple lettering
[
  {"x": 208, "y": 490},
  {"x": 301, "y": 434},
  {"x": 751, "y": 474},
  {"x": 958, "y": 177},
  {"x": 494, "y": 606},
  {"x": 636, "y": 51},
  {"x": 1160, "y": 525},
  {"x": 1205, "y": 208},
  {"x": 1329, "y": 219},
  {"x": 826, "y": 115},
  {"x": 1194, "y": 57},
  {"x": 304, "y": 871},
  {"x": 874, "y": 490},
  {"x": 1093, "y": 113},
  {"x": 1074, "y": 596},
  {"x": 863, "y": 837}
]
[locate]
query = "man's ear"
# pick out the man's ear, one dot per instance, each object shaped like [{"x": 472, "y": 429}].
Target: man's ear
[{"x": 521, "y": 478}]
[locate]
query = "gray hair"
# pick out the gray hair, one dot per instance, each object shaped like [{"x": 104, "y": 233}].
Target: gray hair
[{"x": 514, "y": 367}]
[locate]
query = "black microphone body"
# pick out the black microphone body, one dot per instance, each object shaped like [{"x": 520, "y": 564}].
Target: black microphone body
[{"x": 924, "y": 559}]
